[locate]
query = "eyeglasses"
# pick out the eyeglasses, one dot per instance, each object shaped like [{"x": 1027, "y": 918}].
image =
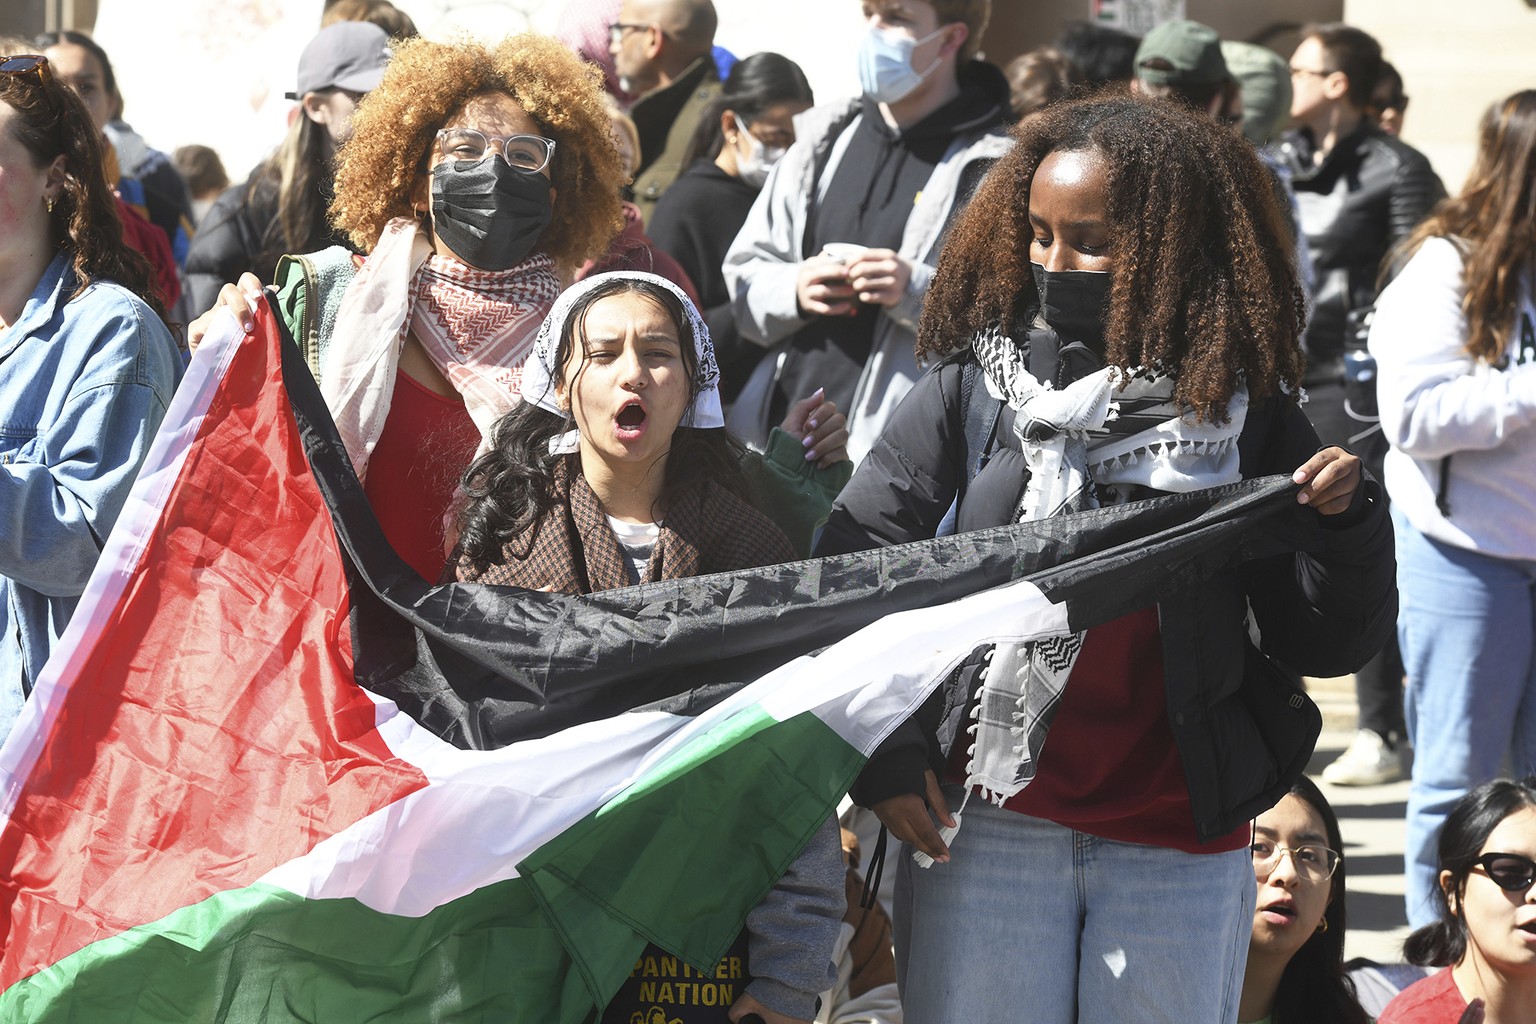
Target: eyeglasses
[
  {"x": 1309, "y": 71},
  {"x": 1508, "y": 871},
  {"x": 619, "y": 29},
  {"x": 1313, "y": 863},
  {"x": 25, "y": 64},
  {"x": 527, "y": 153}
]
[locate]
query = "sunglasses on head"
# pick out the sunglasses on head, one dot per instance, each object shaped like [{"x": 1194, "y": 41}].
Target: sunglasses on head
[
  {"x": 25, "y": 64},
  {"x": 1509, "y": 871}
]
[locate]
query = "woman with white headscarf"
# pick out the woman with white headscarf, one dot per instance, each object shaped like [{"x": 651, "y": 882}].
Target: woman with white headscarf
[{"x": 616, "y": 470}]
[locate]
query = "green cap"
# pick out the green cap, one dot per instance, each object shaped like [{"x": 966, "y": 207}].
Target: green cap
[
  {"x": 1265, "y": 79},
  {"x": 1193, "y": 50}
]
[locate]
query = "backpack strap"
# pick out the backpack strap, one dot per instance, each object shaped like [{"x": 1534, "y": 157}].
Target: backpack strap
[
  {"x": 979, "y": 413},
  {"x": 309, "y": 290}
]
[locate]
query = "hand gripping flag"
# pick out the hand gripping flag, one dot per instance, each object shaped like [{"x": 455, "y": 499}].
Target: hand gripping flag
[{"x": 272, "y": 775}]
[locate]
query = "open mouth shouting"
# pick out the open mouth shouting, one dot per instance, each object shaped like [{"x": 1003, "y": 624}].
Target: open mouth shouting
[{"x": 629, "y": 424}]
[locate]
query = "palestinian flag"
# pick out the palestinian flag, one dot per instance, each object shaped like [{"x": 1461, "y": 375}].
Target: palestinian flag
[{"x": 271, "y": 775}]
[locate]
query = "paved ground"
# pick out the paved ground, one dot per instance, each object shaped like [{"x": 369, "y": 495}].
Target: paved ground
[{"x": 1371, "y": 821}]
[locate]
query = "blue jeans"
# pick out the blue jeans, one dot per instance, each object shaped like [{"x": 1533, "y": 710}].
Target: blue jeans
[
  {"x": 1034, "y": 923},
  {"x": 1465, "y": 625}
]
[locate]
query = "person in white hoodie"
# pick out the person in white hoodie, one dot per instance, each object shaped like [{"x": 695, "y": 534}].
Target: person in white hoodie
[{"x": 1454, "y": 338}]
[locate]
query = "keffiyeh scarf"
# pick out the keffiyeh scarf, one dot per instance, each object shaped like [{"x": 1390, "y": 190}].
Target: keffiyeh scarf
[
  {"x": 1085, "y": 445},
  {"x": 477, "y": 326}
]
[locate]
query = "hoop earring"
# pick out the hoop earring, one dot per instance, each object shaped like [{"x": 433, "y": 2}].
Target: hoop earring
[{"x": 1322, "y": 926}]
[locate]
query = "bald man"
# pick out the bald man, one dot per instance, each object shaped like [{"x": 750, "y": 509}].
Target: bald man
[{"x": 662, "y": 50}]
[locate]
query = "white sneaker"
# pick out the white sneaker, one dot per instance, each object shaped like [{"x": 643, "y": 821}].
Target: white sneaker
[{"x": 1369, "y": 761}]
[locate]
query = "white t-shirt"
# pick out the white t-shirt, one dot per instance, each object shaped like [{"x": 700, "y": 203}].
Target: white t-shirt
[{"x": 638, "y": 541}]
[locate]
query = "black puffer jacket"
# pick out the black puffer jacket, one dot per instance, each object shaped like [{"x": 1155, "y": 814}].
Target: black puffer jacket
[
  {"x": 1369, "y": 192},
  {"x": 1244, "y": 734},
  {"x": 241, "y": 233}
]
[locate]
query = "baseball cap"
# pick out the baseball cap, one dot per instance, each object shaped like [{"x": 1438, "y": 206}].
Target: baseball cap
[
  {"x": 346, "y": 55},
  {"x": 1193, "y": 50}
]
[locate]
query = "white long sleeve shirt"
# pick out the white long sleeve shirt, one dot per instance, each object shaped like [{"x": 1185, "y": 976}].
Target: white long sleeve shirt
[{"x": 1438, "y": 403}]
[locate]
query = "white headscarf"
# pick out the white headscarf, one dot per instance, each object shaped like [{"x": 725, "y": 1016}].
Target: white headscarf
[{"x": 540, "y": 374}]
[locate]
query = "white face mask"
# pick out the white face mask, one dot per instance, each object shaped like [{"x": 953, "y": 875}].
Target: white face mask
[
  {"x": 885, "y": 64},
  {"x": 753, "y": 166}
]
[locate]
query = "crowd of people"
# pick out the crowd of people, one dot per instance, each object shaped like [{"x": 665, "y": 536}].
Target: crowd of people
[{"x": 619, "y": 307}]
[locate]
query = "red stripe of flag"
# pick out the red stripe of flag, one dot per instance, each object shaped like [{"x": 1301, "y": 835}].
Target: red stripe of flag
[{"x": 167, "y": 776}]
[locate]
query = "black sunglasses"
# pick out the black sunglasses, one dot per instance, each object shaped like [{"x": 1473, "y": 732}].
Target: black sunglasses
[
  {"x": 1509, "y": 871},
  {"x": 25, "y": 64}
]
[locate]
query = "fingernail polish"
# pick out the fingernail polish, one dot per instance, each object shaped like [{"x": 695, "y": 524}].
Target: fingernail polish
[
  {"x": 810, "y": 423},
  {"x": 810, "y": 455},
  {"x": 808, "y": 440}
]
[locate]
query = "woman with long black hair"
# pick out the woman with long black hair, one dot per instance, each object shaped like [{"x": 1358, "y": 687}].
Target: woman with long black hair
[
  {"x": 739, "y": 139},
  {"x": 1295, "y": 972},
  {"x": 616, "y": 470}
]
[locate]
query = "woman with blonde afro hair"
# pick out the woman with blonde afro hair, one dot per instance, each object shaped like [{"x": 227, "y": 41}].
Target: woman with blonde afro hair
[
  {"x": 476, "y": 179},
  {"x": 394, "y": 138}
]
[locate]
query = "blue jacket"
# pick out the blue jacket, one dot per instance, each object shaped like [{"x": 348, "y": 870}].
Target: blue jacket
[{"x": 84, "y": 383}]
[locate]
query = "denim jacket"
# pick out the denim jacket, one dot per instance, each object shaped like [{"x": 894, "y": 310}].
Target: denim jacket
[{"x": 84, "y": 384}]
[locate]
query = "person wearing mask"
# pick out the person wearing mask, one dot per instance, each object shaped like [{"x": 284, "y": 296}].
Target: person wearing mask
[
  {"x": 663, "y": 53},
  {"x": 281, "y": 207},
  {"x": 1359, "y": 192},
  {"x": 1095, "y": 349},
  {"x": 476, "y": 180},
  {"x": 1454, "y": 339},
  {"x": 831, "y": 268},
  {"x": 738, "y": 141},
  {"x": 1295, "y": 972},
  {"x": 87, "y": 366}
]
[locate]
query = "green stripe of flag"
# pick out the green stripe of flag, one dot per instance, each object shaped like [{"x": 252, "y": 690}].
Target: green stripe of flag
[
  {"x": 766, "y": 784},
  {"x": 265, "y": 954}
]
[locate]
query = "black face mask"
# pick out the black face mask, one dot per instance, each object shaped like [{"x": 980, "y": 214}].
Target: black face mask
[
  {"x": 1075, "y": 304},
  {"x": 488, "y": 213}
]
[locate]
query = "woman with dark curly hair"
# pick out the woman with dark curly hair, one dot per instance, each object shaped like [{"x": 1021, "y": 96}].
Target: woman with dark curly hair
[
  {"x": 1117, "y": 316},
  {"x": 616, "y": 470},
  {"x": 87, "y": 365},
  {"x": 476, "y": 179},
  {"x": 1295, "y": 972},
  {"x": 1484, "y": 934}
]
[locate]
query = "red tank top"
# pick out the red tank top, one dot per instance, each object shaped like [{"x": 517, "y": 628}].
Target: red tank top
[{"x": 427, "y": 443}]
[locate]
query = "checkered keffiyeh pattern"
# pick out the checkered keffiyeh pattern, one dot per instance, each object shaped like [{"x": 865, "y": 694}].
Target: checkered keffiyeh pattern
[{"x": 1085, "y": 445}]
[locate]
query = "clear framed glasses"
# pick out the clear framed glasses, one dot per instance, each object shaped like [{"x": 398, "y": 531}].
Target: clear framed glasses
[
  {"x": 1313, "y": 863},
  {"x": 1512, "y": 872},
  {"x": 619, "y": 29},
  {"x": 527, "y": 153}
]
